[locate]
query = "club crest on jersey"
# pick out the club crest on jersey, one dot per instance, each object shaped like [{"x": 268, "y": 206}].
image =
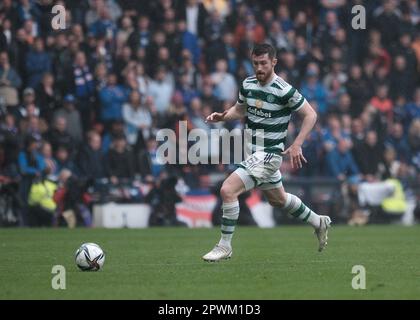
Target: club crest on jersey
[
  {"x": 270, "y": 98},
  {"x": 259, "y": 104}
]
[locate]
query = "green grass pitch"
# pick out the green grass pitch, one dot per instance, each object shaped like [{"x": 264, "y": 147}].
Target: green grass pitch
[{"x": 165, "y": 263}]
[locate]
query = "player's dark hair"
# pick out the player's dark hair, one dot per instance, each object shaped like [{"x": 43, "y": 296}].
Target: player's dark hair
[{"x": 263, "y": 48}]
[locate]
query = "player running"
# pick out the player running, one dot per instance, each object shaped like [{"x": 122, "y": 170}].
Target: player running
[{"x": 268, "y": 101}]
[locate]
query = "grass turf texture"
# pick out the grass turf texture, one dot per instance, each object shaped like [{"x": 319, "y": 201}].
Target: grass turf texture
[{"x": 162, "y": 263}]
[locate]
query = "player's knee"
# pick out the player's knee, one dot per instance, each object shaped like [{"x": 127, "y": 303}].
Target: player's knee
[
  {"x": 278, "y": 202},
  {"x": 227, "y": 194}
]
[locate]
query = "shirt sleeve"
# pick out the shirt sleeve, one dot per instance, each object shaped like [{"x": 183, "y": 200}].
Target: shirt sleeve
[
  {"x": 241, "y": 95},
  {"x": 295, "y": 100}
]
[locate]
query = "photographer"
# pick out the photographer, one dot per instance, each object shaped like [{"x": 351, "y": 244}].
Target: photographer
[
  {"x": 9, "y": 199},
  {"x": 162, "y": 198},
  {"x": 72, "y": 201}
]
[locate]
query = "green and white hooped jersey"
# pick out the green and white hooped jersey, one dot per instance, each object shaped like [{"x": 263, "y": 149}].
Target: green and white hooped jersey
[{"x": 269, "y": 108}]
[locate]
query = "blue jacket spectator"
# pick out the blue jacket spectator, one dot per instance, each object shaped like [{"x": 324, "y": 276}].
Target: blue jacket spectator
[
  {"x": 188, "y": 93},
  {"x": 32, "y": 166},
  {"x": 112, "y": 98},
  {"x": 104, "y": 27},
  {"x": 313, "y": 89},
  {"x": 27, "y": 10},
  {"x": 189, "y": 42},
  {"x": 37, "y": 63},
  {"x": 413, "y": 109},
  {"x": 398, "y": 141},
  {"x": 340, "y": 162}
]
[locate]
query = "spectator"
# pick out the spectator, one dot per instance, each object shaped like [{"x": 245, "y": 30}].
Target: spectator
[
  {"x": 414, "y": 143},
  {"x": 398, "y": 142},
  {"x": 29, "y": 107},
  {"x": 31, "y": 166},
  {"x": 62, "y": 61},
  {"x": 10, "y": 82},
  {"x": 413, "y": 109},
  {"x": 368, "y": 157},
  {"x": 341, "y": 164},
  {"x": 401, "y": 80},
  {"x": 278, "y": 38},
  {"x": 225, "y": 87},
  {"x": 123, "y": 58},
  {"x": 124, "y": 31},
  {"x": 148, "y": 160},
  {"x": 50, "y": 162},
  {"x": 313, "y": 89},
  {"x": 381, "y": 102},
  {"x": 119, "y": 160},
  {"x": 97, "y": 7},
  {"x": 189, "y": 41},
  {"x": 59, "y": 136},
  {"x": 9, "y": 136},
  {"x": 112, "y": 98},
  {"x": 186, "y": 89},
  {"x": 137, "y": 118},
  {"x": 38, "y": 61},
  {"x": 161, "y": 89},
  {"x": 224, "y": 49},
  {"x": 386, "y": 20},
  {"x": 63, "y": 161},
  {"x": 72, "y": 117},
  {"x": 333, "y": 134},
  {"x": 250, "y": 24},
  {"x": 195, "y": 15},
  {"x": 140, "y": 37},
  {"x": 89, "y": 161},
  {"x": 84, "y": 88},
  {"x": 116, "y": 129},
  {"x": 46, "y": 97},
  {"x": 103, "y": 27},
  {"x": 41, "y": 204},
  {"x": 358, "y": 89}
]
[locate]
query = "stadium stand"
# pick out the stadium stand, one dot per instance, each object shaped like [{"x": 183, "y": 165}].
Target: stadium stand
[{"x": 81, "y": 107}]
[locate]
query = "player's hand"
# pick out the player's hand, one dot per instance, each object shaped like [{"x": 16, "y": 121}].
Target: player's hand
[
  {"x": 216, "y": 117},
  {"x": 296, "y": 156}
]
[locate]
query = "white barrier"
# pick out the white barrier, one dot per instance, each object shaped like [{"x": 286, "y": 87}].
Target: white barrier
[{"x": 113, "y": 215}]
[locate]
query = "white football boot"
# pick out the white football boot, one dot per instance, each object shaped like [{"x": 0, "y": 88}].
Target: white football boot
[
  {"x": 218, "y": 253},
  {"x": 322, "y": 232}
]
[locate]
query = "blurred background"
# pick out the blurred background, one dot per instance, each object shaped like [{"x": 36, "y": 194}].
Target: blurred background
[{"x": 80, "y": 108}]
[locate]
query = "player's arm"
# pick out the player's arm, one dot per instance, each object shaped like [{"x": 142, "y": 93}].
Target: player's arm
[
  {"x": 309, "y": 117},
  {"x": 234, "y": 113}
]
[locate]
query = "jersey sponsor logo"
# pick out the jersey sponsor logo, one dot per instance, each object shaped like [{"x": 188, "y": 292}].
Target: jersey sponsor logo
[{"x": 259, "y": 113}]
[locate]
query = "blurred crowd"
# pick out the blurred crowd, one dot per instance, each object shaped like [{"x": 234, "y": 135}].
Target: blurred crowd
[{"x": 84, "y": 104}]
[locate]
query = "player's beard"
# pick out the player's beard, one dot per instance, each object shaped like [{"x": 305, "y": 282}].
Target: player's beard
[{"x": 263, "y": 77}]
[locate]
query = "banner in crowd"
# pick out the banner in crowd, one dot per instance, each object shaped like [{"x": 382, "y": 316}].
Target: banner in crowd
[{"x": 196, "y": 210}]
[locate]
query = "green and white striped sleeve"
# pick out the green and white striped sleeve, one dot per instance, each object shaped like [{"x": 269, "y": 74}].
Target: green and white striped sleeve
[
  {"x": 241, "y": 95},
  {"x": 295, "y": 100}
]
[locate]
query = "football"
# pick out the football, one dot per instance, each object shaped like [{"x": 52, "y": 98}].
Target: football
[{"x": 90, "y": 257}]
